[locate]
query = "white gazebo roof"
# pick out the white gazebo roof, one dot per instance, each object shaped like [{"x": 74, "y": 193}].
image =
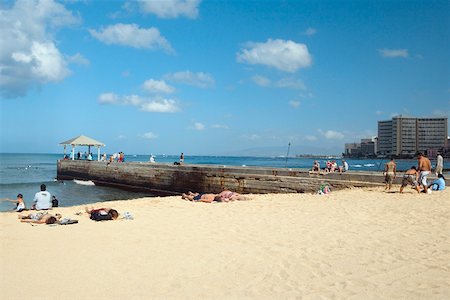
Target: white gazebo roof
[{"x": 83, "y": 141}]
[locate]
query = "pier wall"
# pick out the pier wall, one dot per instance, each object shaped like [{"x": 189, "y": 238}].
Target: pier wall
[{"x": 167, "y": 179}]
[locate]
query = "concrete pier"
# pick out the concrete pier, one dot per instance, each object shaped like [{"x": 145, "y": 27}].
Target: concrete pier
[{"x": 167, "y": 179}]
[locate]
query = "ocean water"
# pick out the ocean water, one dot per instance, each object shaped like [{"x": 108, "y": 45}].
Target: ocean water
[{"x": 24, "y": 173}]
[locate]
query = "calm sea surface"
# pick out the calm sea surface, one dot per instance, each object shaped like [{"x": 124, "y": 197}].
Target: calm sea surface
[{"x": 24, "y": 173}]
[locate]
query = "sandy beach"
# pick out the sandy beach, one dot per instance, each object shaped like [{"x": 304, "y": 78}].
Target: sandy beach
[{"x": 350, "y": 244}]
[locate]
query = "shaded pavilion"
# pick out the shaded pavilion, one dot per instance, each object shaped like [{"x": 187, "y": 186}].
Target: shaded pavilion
[{"x": 82, "y": 141}]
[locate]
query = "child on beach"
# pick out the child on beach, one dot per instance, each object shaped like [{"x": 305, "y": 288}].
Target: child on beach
[{"x": 20, "y": 205}]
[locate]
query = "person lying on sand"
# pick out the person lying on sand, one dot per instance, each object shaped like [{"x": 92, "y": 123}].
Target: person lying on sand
[
  {"x": 227, "y": 196},
  {"x": 198, "y": 197},
  {"x": 102, "y": 214},
  {"x": 224, "y": 196},
  {"x": 40, "y": 218}
]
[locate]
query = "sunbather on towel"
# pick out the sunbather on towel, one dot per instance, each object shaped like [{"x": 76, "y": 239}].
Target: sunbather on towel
[
  {"x": 40, "y": 218},
  {"x": 227, "y": 196},
  {"x": 102, "y": 214},
  {"x": 199, "y": 197}
]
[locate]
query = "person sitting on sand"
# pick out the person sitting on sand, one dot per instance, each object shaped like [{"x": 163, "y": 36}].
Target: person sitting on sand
[
  {"x": 40, "y": 218},
  {"x": 20, "y": 205},
  {"x": 198, "y": 197},
  {"x": 102, "y": 214},
  {"x": 344, "y": 167},
  {"x": 410, "y": 177},
  {"x": 316, "y": 166},
  {"x": 227, "y": 196},
  {"x": 42, "y": 200},
  {"x": 438, "y": 184}
]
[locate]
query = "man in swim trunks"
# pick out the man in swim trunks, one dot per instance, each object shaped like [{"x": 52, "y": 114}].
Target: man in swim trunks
[
  {"x": 410, "y": 177},
  {"x": 390, "y": 171},
  {"x": 198, "y": 197},
  {"x": 424, "y": 168}
]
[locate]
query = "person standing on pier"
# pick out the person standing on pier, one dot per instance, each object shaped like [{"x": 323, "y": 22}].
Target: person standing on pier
[{"x": 439, "y": 164}]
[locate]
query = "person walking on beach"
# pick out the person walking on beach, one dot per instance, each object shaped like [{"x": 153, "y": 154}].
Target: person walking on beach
[
  {"x": 424, "y": 168},
  {"x": 390, "y": 172},
  {"x": 181, "y": 158},
  {"x": 42, "y": 199},
  {"x": 439, "y": 164}
]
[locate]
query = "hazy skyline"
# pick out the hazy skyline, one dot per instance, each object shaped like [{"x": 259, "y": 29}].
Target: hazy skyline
[{"x": 218, "y": 77}]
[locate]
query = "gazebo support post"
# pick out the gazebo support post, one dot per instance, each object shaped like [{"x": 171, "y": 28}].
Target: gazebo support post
[
  {"x": 98, "y": 153},
  {"x": 73, "y": 152}
]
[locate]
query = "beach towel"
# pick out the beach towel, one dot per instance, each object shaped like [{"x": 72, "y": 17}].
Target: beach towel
[{"x": 67, "y": 221}]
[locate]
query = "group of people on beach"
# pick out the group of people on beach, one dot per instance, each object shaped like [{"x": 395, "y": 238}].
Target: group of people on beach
[
  {"x": 43, "y": 200},
  {"x": 417, "y": 176},
  {"x": 224, "y": 196},
  {"x": 331, "y": 166}
]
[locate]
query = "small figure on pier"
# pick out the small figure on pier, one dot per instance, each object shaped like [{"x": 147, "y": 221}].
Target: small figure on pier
[{"x": 181, "y": 158}]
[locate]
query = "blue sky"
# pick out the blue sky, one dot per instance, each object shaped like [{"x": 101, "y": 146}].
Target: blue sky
[{"x": 217, "y": 77}]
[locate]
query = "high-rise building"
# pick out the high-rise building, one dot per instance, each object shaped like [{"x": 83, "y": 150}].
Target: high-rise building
[{"x": 407, "y": 135}]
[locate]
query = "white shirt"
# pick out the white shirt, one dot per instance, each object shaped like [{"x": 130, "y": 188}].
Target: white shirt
[
  {"x": 43, "y": 200},
  {"x": 440, "y": 161}
]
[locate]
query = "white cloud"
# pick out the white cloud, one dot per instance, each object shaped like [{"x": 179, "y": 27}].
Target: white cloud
[
  {"x": 284, "y": 55},
  {"x": 134, "y": 100},
  {"x": 261, "y": 80},
  {"x": 108, "y": 98},
  {"x": 291, "y": 83},
  {"x": 310, "y": 31},
  {"x": 294, "y": 103},
  {"x": 154, "y": 104},
  {"x": 149, "y": 136},
  {"x": 392, "y": 53},
  {"x": 157, "y": 86},
  {"x": 331, "y": 134},
  {"x": 132, "y": 35},
  {"x": 199, "y": 126},
  {"x": 78, "y": 59},
  {"x": 219, "y": 126},
  {"x": 311, "y": 138},
  {"x": 28, "y": 53},
  {"x": 45, "y": 62},
  {"x": 160, "y": 105},
  {"x": 200, "y": 79},
  {"x": 168, "y": 9}
]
